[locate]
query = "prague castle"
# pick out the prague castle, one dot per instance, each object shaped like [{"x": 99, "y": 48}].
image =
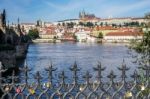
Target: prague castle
[{"x": 85, "y": 16}]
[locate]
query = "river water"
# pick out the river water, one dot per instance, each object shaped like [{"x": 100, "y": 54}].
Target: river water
[{"x": 87, "y": 55}]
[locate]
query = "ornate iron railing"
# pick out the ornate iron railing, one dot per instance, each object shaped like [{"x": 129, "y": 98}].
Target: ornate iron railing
[{"x": 99, "y": 89}]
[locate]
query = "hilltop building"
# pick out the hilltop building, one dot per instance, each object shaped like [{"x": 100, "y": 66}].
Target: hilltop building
[
  {"x": 121, "y": 21},
  {"x": 86, "y": 16}
]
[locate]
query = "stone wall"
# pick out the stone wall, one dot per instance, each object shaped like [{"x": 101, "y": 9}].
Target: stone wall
[{"x": 8, "y": 59}]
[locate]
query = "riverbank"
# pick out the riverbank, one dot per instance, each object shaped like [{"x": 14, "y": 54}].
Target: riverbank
[
  {"x": 68, "y": 40},
  {"x": 45, "y": 41}
]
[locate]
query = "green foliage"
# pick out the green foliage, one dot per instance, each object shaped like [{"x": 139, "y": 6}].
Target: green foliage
[
  {"x": 114, "y": 25},
  {"x": 147, "y": 15},
  {"x": 101, "y": 24},
  {"x": 55, "y": 37},
  {"x": 81, "y": 23},
  {"x": 70, "y": 25},
  {"x": 58, "y": 24},
  {"x": 106, "y": 24},
  {"x": 100, "y": 35},
  {"x": 132, "y": 24},
  {"x": 33, "y": 34},
  {"x": 89, "y": 24},
  {"x": 74, "y": 36},
  {"x": 143, "y": 59},
  {"x": 144, "y": 45}
]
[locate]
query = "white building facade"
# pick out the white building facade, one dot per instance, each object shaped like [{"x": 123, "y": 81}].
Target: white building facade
[{"x": 122, "y": 37}]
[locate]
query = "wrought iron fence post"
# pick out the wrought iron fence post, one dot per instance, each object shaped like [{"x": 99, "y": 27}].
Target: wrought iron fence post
[
  {"x": 87, "y": 89},
  {"x": 87, "y": 77},
  {"x": 135, "y": 76},
  {"x": 111, "y": 76},
  {"x": 1, "y": 71},
  {"x": 25, "y": 69},
  {"x": 146, "y": 68},
  {"x": 13, "y": 77},
  {"x": 62, "y": 77},
  {"x": 99, "y": 69},
  {"x": 38, "y": 78},
  {"x": 75, "y": 69},
  {"x": 123, "y": 69},
  {"x": 50, "y": 71}
]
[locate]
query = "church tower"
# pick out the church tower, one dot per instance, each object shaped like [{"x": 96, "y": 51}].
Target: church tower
[
  {"x": 1, "y": 21},
  {"x": 4, "y": 18},
  {"x": 19, "y": 32},
  {"x": 82, "y": 14}
]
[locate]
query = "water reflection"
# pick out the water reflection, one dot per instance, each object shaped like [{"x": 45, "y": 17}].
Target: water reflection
[{"x": 63, "y": 55}]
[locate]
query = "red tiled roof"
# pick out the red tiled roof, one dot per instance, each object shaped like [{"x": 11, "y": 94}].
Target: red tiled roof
[
  {"x": 116, "y": 18},
  {"x": 105, "y": 28},
  {"x": 50, "y": 32},
  {"x": 127, "y": 33}
]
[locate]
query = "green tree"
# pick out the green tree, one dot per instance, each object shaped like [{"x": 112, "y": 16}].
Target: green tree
[
  {"x": 81, "y": 23},
  {"x": 106, "y": 24},
  {"x": 58, "y": 24},
  {"x": 75, "y": 37},
  {"x": 100, "y": 35},
  {"x": 144, "y": 45},
  {"x": 142, "y": 24},
  {"x": 114, "y": 25},
  {"x": 63, "y": 24},
  {"x": 101, "y": 24},
  {"x": 143, "y": 48},
  {"x": 89, "y": 24},
  {"x": 147, "y": 16},
  {"x": 120, "y": 25},
  {"x": 70, "y": 25},
  {"x": 33, "y": 34}
]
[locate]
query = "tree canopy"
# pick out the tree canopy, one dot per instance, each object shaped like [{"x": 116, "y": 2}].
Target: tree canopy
[
  {"x": 100, "y": 35},
  {"x": 142, "y": 59},
  {"x": 144, "y": 45},
  {"x": 33, "y": 34},
  {"x": 143, "y": 50},
  {"x": 89, "y": 24}
]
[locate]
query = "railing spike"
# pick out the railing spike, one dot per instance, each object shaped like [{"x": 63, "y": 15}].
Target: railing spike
[
  {"x": 135, "y": 75},
  {"x": 111, "y": 76},
  {"x": 87, "y": 76}
]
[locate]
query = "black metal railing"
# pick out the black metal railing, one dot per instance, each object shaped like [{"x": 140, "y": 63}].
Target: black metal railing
[{"x": 135, "y": 88}]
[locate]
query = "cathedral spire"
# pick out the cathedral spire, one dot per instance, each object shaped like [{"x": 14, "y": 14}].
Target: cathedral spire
[
  {"x": 19, "y": 29},
  {"x": 18, "y": 21},
  {"x": 4, "y": 18}
]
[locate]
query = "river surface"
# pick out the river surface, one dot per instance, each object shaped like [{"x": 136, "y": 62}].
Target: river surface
[{"x": 87, "y": 55}]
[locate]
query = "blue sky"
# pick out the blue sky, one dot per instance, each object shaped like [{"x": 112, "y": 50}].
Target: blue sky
[{"x": 54, "y": 10}]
